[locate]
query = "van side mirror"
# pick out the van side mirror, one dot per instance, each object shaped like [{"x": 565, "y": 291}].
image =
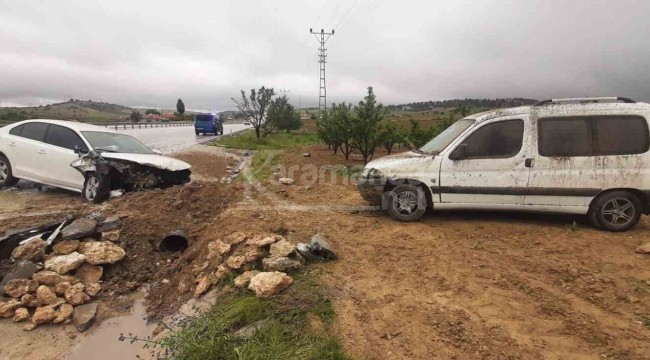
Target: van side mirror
[{"x": 459, "y": 153}]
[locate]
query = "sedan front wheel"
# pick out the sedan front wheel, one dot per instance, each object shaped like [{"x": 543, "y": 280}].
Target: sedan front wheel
[{"x": 96, "y": 188}]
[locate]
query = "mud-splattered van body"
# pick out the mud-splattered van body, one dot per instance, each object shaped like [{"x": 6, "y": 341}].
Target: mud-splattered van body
[{"x": 563, "y": 156}]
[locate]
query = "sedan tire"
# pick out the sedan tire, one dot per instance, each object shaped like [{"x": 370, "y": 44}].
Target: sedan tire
[
  {"x": 6, "y": 175},
  {"x": 407, "y": 203},
  {"x": 97, "y": 188}
]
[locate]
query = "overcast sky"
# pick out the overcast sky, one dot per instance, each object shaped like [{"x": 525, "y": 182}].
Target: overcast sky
[{"x": 150, "y": 53}]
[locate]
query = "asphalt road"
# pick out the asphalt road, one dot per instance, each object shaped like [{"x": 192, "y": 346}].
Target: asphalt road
[{"x": 172, "y": 139}]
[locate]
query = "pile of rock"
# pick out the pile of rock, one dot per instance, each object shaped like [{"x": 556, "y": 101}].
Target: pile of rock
[
  {"x": 242, "y": 255},
  {"x": 69, "y": 276}
]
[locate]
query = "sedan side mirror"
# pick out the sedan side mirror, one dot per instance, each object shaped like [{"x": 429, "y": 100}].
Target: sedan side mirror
[
  {"x": 78, "y": 150},
  {"x": 459, "y": 153}
]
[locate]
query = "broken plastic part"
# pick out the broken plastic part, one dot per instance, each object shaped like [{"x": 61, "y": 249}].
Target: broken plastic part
[
  {"x": 173, "y": 242},
  {"x": 322, "y": 248}
]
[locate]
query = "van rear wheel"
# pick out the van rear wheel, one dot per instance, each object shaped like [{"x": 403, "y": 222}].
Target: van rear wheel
[
  {"x": 616, "y": 211},
  {"x": 407, "y": 203}
]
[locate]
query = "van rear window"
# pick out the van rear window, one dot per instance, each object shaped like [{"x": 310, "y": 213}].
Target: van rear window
[
  {"x": 593, "y": 136},
  {"x": 204, "y": 117}
]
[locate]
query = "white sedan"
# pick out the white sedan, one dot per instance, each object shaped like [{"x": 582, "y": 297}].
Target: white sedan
[{"x": 85, "y": 158}]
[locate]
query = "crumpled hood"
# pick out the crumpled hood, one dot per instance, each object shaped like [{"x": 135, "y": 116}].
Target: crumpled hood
[
  {"x": 154, "y": 160},
  {"x": 402, "y": 163}
]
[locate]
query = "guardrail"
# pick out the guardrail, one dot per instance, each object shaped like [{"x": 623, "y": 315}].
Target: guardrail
[
  {"x": 145, "y": 125},
  {"x": 131, "y": 125}
]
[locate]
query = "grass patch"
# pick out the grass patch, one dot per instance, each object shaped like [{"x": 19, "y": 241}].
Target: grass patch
[
  {"x": 276, "y": 141},
  {"x": 351, "y": 170},
  {"x": 646, "y": 321},
  {"x": 640, "y": 286},
  {"x": 284, "y": 328},
  {"x": 262, "y": 165}
]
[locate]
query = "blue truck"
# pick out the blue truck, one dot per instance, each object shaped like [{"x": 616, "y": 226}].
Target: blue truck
[{"x": 208, "y": 124}]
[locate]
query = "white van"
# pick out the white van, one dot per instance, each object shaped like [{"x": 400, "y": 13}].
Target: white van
[{"x": 575, "y": 156}]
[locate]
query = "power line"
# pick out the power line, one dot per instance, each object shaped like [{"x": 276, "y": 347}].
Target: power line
[
  {"x": 334, "y": 14},
  {"x": 345, "y": 15},
  {"x": 322, "y": 38},
  {"x": 371, "y": 5}
]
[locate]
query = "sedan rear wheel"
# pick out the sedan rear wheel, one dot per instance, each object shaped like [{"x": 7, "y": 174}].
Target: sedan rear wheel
[{"x": 6, "y": 175}]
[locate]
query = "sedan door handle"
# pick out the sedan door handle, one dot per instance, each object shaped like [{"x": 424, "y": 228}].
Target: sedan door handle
[
  {"x": 12, "y": 143},
  {"x": 529, "y": 162}
]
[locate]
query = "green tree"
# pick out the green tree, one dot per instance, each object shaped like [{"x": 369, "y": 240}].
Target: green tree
[
  {"x": 152, "y": 112},
  {"x": 391, "y": 134},
  {"x": 255, "y": 106},
  {"x": 341, "y": 124},
  {"x": 180, "y": 107},
  {"x": 135, "y": 116},
  {"x": 366, "y": 135},
  {"x": 463, "y": 108},
  {"x": 282, "y": 116},
  {"x": 325, "y": 131}
]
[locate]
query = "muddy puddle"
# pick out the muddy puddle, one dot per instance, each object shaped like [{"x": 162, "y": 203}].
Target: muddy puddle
[{"x": 102, "y": 341}]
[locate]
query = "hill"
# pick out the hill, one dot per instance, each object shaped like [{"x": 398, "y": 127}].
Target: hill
[
  {"x": 79, "y": 110},
  {"x": 473, "y": 103}
]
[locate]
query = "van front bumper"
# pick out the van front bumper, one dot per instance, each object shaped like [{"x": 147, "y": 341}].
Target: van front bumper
[{"x": 372, "y": 190}]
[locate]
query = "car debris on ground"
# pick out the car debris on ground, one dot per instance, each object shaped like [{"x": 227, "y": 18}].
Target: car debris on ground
[{"x": 54, "y": 280}]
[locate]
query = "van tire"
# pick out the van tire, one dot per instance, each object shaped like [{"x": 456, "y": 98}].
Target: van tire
[
  {"x": 406, "y": 203},
  {"x": 6, "y": 173},
  {"x": 616, "y": 211},
  {"x": 97, "y": 188}
]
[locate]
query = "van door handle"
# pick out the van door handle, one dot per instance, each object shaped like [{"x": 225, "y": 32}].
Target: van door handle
[
  {"x": 41, "y": 151},
  {"x": 529, "y": 162}
]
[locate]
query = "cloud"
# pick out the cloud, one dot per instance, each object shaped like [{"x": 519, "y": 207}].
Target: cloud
[{"x": 150, "y": 53}]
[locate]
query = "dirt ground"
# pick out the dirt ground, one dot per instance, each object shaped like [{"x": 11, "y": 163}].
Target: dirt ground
[
  {"x": 471, "y": 284},
  {"x": 454, "y": 285}
]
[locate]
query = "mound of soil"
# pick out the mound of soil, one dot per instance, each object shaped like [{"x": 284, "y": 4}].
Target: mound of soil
[{"x": 147, "y": 218}]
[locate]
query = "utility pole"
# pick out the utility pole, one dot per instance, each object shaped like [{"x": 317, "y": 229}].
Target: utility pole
[{"x": 322, "y": 38}]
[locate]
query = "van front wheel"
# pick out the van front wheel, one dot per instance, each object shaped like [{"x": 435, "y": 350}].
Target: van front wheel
[
  {"x": 407, "y": 203},
  {"x": 616, "y": 211}
]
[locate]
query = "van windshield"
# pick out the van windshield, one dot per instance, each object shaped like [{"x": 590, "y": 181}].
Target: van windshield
[{"x": 440, "y": 142}]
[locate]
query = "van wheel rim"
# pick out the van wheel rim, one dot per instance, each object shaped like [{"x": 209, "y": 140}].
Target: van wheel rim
[
  {"x": 618, "y": 211},
  {"x": 91, "y": 188},
  {"x": 405, "y": 203},
  {"x": 4, "y": 171}
]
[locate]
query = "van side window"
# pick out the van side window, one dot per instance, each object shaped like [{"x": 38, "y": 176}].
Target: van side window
[
  {"x": 34, "y": 131},
  {"x": 561, "y": 137},
  {"x": 593, "y": 136},
  {"x": 501, "y": 139},
  {"x": 64, "y": 137},
  {"x": 620, "y": 135}
]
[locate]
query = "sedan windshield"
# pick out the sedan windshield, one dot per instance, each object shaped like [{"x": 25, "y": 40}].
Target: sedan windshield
[
  {"x": 440, "y": 142},
  {"x": 113, "y": 142}
]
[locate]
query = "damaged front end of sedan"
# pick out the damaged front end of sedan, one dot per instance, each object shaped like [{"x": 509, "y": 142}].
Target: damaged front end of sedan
[{"x": 104, "y": 172}]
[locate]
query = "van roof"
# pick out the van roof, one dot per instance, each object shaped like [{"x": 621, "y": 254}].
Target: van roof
[{"x": 559, "y": 109}]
